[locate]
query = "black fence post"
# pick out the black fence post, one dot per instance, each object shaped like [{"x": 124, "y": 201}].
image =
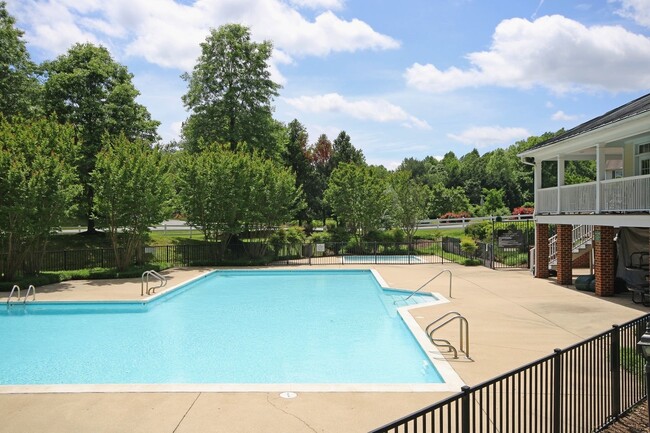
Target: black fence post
[
  {"x": 615, "y": 351},
  {"x": 65, "y": 260},
  {"x": 557, "y": 391},
  {"x": 465, "y": 416}
]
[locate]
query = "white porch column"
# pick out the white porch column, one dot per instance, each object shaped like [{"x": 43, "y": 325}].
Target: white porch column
[
  {"x": 537, "y": 182},
  {"x": 600, "y": 172},
  {"x": 560, "y": 182}
]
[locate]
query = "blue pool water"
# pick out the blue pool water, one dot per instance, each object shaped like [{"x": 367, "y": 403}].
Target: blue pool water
[
  {"x": 333, "y": 327},
  {"x": 382, "y": 259}
]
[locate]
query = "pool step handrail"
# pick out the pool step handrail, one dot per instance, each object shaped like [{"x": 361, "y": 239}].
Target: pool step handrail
[
  {"x": 31, "y": 289},
  {"x": 444, "y": 320},
  {"x": 162, "y": 282},
  {"x": 424, "y": 285},
  {"x": 14, "y": 289}
]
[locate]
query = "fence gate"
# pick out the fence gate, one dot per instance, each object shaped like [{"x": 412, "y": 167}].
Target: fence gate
[{"x": 511, "y": 244}]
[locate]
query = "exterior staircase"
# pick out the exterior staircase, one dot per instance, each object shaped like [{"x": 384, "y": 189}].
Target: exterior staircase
[{"x": 582, "y": 244}]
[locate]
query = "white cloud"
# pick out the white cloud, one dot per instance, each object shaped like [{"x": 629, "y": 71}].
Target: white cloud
[
  {"x": 562, "y": 116},
  {"x": 636, "y": 10},
  {"x": 319, "y": 4},
  {"x": 168, "y": 33},
  {"x": 485, "y": 136},
  {"x": 553, "y": 52},
  {"x": 377, "y": 110}
]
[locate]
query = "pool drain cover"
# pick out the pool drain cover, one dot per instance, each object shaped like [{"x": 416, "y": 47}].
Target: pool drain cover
[{"x": 288, "y": 394}]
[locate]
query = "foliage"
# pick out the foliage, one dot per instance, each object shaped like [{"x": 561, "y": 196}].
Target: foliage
[
  {"x": 227, "y": 193},
  {"x": 37, "y": 186},
  {"x": 344, "y": 151},
  {"x": 230, "y": 92},
  {"x": 132, "y": 189},
  {"x": 409, "y": 203},
  {"x": 480, "y": 231},
  {"x": 358, "y": 197},
  {"x": 493, "y": 203},
  {"x": 283, "y": 237},
  {"x": 455, "y": 215},
  {"x": 18, "y": 84},
  {"x": 88, "y": 89},
  {"x": 444, "y": 201},
  {"x": 468, "y": 246},
  {"x": 296, "y": 156}
]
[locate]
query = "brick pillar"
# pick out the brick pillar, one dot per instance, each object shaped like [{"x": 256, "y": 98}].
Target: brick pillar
[
  {"x": 605, "y": 259},
  {"x": 565, "y": 254},
  {"x": 541, "y": 250}
]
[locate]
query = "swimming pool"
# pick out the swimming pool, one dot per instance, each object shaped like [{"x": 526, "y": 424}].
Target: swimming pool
[
  {"x": 373, "y": 259},
  {"x": 230, "y": 327}
]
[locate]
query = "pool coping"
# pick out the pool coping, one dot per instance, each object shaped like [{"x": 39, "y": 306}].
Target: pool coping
[{"x": 452, "y": 381}]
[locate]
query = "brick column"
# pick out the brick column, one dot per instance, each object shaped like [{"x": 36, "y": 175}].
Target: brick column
[
  {"x": 605, "y": 259},
  {"x": 541, "y": 250},
  {"x": 565, "y": 254}
]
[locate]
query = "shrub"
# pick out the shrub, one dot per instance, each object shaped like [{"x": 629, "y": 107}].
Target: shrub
[
  {"x": 523, "y": 210},
  {"x": 468, "y": 246},
  {"x": 479, "y": 231},
  {"x": 452, "y": 215},
  {"x": 471, "y": 262}
]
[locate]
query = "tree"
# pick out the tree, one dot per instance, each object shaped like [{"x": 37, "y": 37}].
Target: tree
[
  {"x": 296, "y": 157},
  {"x": 230, "y": 93},
  {"x": 226, "y": 193},
  {"x": 18, "y": 84},
  {"x": 409, "y": 203},
  {"x": 320, "y": 154},
  {"x": 493, "y": 202},
  {"x": 344, "y": 151},
  {"x": 358, "y": 197},
  {"x": 89, "y": 90},
  {"x": 443, "y": 200},
  {"x": 38, "y": 183},
  {"x": 132, "y": 193}
]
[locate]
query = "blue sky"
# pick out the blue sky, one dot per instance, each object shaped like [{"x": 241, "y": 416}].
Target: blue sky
[{"x": 404, "y": 79}]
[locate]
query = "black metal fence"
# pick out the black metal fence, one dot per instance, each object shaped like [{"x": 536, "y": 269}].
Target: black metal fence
[
  {"x": 418, "y": 252},
  {"x": 583, "y": 388}
]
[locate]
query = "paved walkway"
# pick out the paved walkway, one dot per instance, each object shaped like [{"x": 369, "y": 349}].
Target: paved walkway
[{"x": 513, "y": 319}]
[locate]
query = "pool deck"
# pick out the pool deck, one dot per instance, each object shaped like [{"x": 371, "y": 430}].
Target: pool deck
[{"x": 513, "y": 319}]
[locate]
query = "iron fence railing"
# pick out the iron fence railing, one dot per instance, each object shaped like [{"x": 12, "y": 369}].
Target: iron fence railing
[
  {"x": 583, "y": 388},
  {"x": 420, "y": 251}
]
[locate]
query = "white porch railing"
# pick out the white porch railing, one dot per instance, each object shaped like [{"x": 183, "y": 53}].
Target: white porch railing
[{"x": 628, "y": 194}]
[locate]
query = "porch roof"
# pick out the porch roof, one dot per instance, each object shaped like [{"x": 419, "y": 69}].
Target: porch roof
[{"x": 631, "y": 109}]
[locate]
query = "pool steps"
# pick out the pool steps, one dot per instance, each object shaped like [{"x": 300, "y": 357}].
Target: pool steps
[
  {"x": 16, "y": 289},
  {"x": 441, "y": 342}
]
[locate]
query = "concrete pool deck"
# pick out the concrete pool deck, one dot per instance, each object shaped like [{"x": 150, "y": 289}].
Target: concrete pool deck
[{"x": 513, "y": 319}]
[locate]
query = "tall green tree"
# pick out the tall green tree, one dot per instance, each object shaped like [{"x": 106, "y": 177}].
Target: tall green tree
[
  {"x": 443, "y": 200},
  {"x": 296, "y": 156},
  {"x": 38, "y": 183},
  {"x": 358, "y": 196},
  {"x": 88, "y": 89},
  {"x": 230, "y": 92},
  {"x": 409, "y": 202},
  {"x": 132, "y": 193},
  {"x": 19, "y": 87},
  {"x": 320, "y": 154},
  {"x": 344, "y": 151}
]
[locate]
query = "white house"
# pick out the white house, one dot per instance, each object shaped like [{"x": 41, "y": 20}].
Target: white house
[{"x": 616, "y": 201}]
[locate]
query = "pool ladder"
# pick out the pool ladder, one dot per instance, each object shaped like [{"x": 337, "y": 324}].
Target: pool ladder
[
  {"x": 144, "y": 285},
  {"x": 424, "y": 285},
  {"x": 16, "y": 289},
  {"x": 442, "y": 322}
]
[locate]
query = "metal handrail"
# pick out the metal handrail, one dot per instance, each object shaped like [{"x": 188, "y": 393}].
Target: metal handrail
[
  {"x": 13, "y": 289},
  {"x": 423, "y": 285},
  {"x": 464, "y": 326},
  {"x": 31, "y": 289},
  {"x": 154, "y": 274}
]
